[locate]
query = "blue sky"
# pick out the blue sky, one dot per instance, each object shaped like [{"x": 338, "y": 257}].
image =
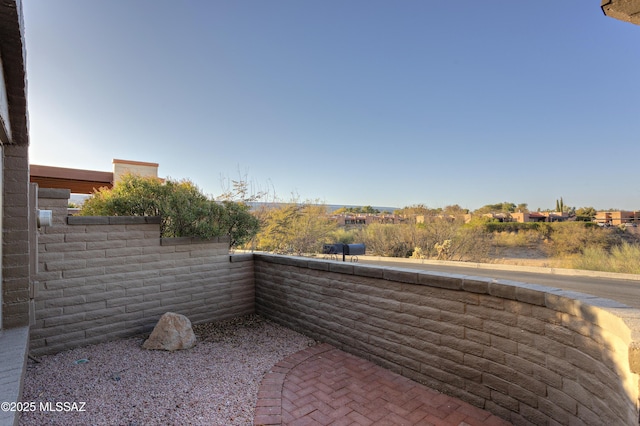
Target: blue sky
[{"x": 347, "y": 102}]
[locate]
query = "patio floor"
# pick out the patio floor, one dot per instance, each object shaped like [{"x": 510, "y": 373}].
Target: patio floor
[{"x": 323, "y": 385}]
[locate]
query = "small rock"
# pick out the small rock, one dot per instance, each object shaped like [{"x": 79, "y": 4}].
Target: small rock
[{"x": 172, "y": 332}]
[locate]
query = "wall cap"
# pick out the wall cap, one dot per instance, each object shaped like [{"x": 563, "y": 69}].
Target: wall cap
[
  {"x": 54, "y": 193},
  {"x": 179, "y": 241},
  {"x": 112, "y": 220}
]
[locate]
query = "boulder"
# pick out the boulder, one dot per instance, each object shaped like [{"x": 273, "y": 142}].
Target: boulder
[{"x": 172, "y": 332}]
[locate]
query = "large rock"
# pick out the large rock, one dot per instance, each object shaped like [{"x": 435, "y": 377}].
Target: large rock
[{"x": 172, "y": 332}]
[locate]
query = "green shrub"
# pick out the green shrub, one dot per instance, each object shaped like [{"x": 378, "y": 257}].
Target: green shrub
[
  {"x": 344, "y": 236},
  {"x": 183, "y": 209},
  {"x": 542, "y": 227}
]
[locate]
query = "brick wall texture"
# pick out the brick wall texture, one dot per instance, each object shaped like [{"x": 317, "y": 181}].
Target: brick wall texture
[
  {"x": 530, "y": 354},
  {"x": 101, "y": 278}
]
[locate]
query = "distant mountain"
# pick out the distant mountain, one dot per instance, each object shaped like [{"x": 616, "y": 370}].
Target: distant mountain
[
  {"x": 330, "y": 207},
  {"x": 78, "y": 199},
  {"x": 334, "y": 207}
]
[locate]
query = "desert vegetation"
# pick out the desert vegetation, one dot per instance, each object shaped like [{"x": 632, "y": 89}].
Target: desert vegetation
[
  {"x": 302, "y": 228},
  {"x": 624, "y": 258},
  {"x": 184, "y": 210}
]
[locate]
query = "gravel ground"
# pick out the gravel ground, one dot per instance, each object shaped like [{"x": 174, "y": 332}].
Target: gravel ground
[{"x": 214, "y": 383}]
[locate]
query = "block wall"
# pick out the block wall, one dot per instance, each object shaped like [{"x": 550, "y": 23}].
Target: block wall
[
  {"x": 530, "y": 354},
  {"x": 101, "y": 278},
  {"x": 16, "y": 231}
]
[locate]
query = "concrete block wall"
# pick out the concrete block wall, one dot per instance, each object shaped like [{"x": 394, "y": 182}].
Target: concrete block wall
[
  {"x": 101, "y": 278},
  {"x": 532, "y": 355},
  {"x": 16, "y": 230}
]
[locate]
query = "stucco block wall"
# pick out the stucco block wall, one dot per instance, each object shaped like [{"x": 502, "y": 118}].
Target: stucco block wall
[
  {"x": 530, "y": 354},
  {"x": 106, "y": 277}
]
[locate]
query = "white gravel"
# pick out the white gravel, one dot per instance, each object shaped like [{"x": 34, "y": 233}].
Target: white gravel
[{"x": 214, "y": 383}]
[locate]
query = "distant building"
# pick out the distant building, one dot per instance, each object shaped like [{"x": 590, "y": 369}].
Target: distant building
[
  {"x": 123, "y": 167},
  {"x": 361, "y": 219},
  {"x": 617, "y": 217},
  {"x": 81, "y": 181},
  {"x": 500, "y": 217},
  {"x": 524, "y": 217},
  {"x": 450, "y": 217}
]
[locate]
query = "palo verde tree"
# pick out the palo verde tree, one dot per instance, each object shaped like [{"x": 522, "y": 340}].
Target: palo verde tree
[
  {"x": 586, "y": 214},
  {"x": 417, "y": 210},
  {"x": 184, "y": 210},
  {"x": 357, "y": 210},
  {"x": 239, "y": 224},
  {"x": 504, "y": 207},
  {"x": 296, "y": 228}
]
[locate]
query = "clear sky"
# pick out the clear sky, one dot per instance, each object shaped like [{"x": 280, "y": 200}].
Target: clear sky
[{"x": 359, "y": 102}]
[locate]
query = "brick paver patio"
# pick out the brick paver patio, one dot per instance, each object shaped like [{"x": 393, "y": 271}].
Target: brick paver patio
[{"x": 323, "y": 385}]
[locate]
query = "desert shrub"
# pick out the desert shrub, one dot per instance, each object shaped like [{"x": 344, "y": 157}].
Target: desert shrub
[
  {"x": 622, "y": 258},
  {"x": 345, "y": 236},
  {"x": 427, "y": 239},
  {"x": 386, "y": 240},
  {"x": 470, "y": 245},
  {"x": 625, "y": 258},
  {"x": 523, "y": 238},
  {"x": 295, "y": 228},
  {"x": 542, "y": 227},
  {"x": 570, "y": 238}
]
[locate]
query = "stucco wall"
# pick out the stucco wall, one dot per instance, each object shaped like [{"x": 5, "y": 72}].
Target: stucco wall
[
  {"x": 105, "y": 277},
  {"x": 530, "y": 354}
]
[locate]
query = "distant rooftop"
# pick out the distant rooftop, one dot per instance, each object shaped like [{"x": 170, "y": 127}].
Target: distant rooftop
[
  {"x": 624, "y": 10},
  {"x": 81, "y": 181}
]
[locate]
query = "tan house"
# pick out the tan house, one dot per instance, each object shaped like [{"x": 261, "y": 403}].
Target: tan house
[
  {"x": 359, "y": 219},
  {"x": 524, "y": 217},
  {"x": 451, "y": 218},
  {"x": 617, "y": 217}
]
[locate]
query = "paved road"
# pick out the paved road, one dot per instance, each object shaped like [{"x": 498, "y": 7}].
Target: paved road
[{"x": 625, "y": 290}]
